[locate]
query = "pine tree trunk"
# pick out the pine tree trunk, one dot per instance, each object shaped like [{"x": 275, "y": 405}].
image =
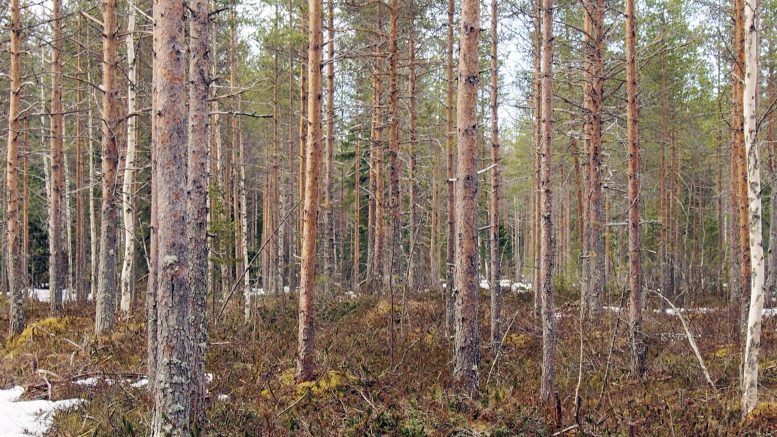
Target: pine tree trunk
[
  {"x": 750, "y": 113},
  {"x": 80, "y": 265},
  {"x": 395, "y": 239},
  {"x": 595, "y": 226},
  {"x": 306, "y": 333},
  {"x": 15, "y": 278},
  {"x": 291, "y": 225},
  {"x": 57, "y": 237},
  {"x": 496, "y": 290},
  {"x": 357, "y": 195},
  {"x": 635, "y": 241},
  {"x": 329, "y": 216},
  {"x": 376, "y": 147},
  {"x": 450, "y": 250},
  {"x": 197, "y": 205},
  {"x": 548, "y": 384},
  {"x": 128, "y": 266},
  {"x": 106, "y": 281},
  {"x": 466, "y": 292},
  {"x": 412, "y": 256},
  {"x": 172, "y": 389}
]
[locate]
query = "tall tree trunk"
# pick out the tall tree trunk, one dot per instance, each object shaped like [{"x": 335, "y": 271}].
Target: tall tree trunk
[
  {"x": 197, "y": 206},
  {"x": 412, "y": 256},
  {"x": 739, "y": 146},
  {"x": 128, "y": 266},
  {"x": 771, "y": 262},
  {"x": 450, "y": 250},
  {"x": 466, "y": 311},
  {"x": 172, "y": 389},
  {"x": 306, "y": 333},
  {"x": 291, "y": 225},
  {"x": 395, "y": 239},
  {"x": 57, "y": 237},
  {"x": 79, "y": 266},
  {"x": 106, "y": 281},
  {"x": 546, "y": 225},
  {"x": 357, "y": 206},
  {"x": 537, "y": 143},
  {"x": 635, "y": 240},
  {"x": 496, "y": 290},
  {"x": 376, "y": 137},
  {"x": 15, "y": 279},
  {"x": 750, "y": 103},
  {"x": 329, "y": 187},
  {"x": 594, "y": 9}
]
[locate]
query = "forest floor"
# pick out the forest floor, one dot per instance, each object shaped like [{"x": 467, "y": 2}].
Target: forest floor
[{"x": 385, "y": 370}]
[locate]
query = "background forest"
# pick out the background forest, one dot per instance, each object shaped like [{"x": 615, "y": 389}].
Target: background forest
[{"x": 555, "y": 344}]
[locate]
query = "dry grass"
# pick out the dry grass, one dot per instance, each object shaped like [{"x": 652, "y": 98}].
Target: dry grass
[{"x": 387, "y": 372}]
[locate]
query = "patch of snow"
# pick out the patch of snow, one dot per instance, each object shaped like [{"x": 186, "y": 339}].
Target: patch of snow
[
  {"x": 142, "y": 382},
  {"x": 223, "y": 397},
  {"x": 350, "y": 294},
  {"x": 43, "y": 294},
  {"x": 25, "y": 418}
]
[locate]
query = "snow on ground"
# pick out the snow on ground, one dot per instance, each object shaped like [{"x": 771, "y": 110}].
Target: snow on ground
[
  {"x": 767, "y": 312},
  {"x": 43, "y": 294},
  {"x": 25, "y": 418}
]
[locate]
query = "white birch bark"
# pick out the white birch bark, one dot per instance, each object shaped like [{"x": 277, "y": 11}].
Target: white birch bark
[
  {"x": 128, "y": 213},
  {"x": 750, "y": 102}
]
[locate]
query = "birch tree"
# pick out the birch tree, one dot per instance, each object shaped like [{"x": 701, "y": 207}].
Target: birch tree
[
  {"x": 128, "y": 213},
  {"x": 750, "y": 112}
]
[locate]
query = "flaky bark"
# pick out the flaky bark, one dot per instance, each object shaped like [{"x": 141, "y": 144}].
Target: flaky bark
[
  {"x": 466, "y": 355},
  {"x": 197, "y": 205},
  {"x": 548, "y": 384},
  {"x": 635, "y": 241},
  {"x": 306, "y": 332},
  {"x": 15, "y": 279},
  {"x": 395, "y": 238},
  {"x": 172, "y": 390},
  {"x": 750, "y": 104},
  {"x": 81, "y": 272},
  {"x": 106, "y": 280}
]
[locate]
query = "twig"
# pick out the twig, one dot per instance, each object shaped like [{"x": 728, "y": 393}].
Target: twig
[{"x": 691, "y": 341}]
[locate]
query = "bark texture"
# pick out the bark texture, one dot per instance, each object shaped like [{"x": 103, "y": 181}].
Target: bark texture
[
  {"x": 306, "y": 332},
  {"x": 493, "y": 231},
  {"x": 172, "y": 389},
  {"x": 750, "y": 107},
  {"x": 106, "y": 280},
  {"x": 635, "y": 240},
  {"x": 466, "y": 355},
  {"x": 16, "y": 285},
  {"x": 548, "y": 384}
]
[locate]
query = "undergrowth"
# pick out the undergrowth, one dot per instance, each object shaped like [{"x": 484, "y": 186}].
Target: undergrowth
[{"x": 384, "y": 369}]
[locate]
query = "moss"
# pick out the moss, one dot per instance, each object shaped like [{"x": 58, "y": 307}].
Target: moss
[
  {"x": 330, "y": 382},
  {"x": 763, "y": 411},
  {"x": 519, "y": 341},
  {"x": 49, "y": 327},
  {"x": 725, "y": 351}
]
